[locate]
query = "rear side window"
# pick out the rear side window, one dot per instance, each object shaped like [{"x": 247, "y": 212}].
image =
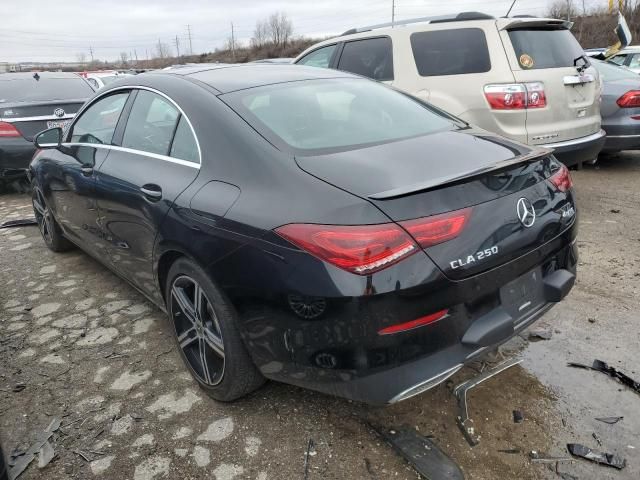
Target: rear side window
[
  {"x": 450, "y": 52},
  {"x": 371, "y": 58},
  {"x": 98, "y": 122},
  {"x": 538, "y": 48},
  {"x": 618, "y": 59},
  {"x": 184, "y": 144},
  {"x": 28, "y": 89},
  {"x": 635, "y": 61},
  {"x": 318, "y": 58},
  {"x": 151, "y": 124}
]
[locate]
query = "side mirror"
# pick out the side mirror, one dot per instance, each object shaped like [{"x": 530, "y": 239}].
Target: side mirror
[{"x": 51, "y": 138}]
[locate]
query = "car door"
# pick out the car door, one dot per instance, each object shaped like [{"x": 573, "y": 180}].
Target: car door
[
  {"x": 158, "y": 157},
  {"x": 70, "y": 171}
]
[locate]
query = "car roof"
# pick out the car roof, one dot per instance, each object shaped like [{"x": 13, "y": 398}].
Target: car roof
[
  {"x": 227, "y": 78},
  {"x": 27, "y": 75}
]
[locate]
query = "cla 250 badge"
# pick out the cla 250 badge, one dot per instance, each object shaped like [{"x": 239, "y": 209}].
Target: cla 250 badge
[{"x": 473, "y": 258}]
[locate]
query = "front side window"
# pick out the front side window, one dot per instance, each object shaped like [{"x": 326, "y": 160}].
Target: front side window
[
  {"x": 184, "y": 144},
  {"x": 618, "y": 59},
  {"x": 450, "y": 52},
  {"x": 336, "y": 114},
  {"x": 98, "y": 122},
  {"x": 538, "y": 48},
  {"x": 371, "y": 58},
  {"x": 318, "y": 58},
  {"x": 151, "y": 124},
  {"x": 635, "y": 61}
]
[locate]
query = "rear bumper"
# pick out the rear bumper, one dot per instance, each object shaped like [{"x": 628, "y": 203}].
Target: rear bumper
[
  {"x": 345, "y": 356},
  {"x": 579, "y": 150},
  {"x": 15, "y": 156},
  {"x": 622, "y": 137}
]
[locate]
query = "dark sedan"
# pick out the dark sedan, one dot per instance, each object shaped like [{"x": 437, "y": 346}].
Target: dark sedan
[
  {"x": 310, "y": 226},
  {"x": 29, "y": 103},
  {"x": 620, "y": 107}
]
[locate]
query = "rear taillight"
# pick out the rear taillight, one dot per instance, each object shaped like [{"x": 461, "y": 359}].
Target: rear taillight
[
  {"x": 418, "y": 322},
  {"x": 562, "y": 179},
  {"x": 365, "y": 249},
  {"x": 8, "y": 130},
  {"x": 429, "y": 231},
  {"x": 631, "y": 99},
  {"x": 360, "y": 249},
  {"x": 515, "y": 96}
]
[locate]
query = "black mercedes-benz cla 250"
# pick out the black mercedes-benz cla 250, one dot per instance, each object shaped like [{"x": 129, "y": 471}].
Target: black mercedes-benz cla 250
[{"x": 310, "y": 226}]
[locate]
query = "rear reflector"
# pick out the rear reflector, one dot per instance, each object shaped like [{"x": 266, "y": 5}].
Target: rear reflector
[
  {"x": 8, "y": 130},
  {"x": 429, "y": 231},
  {"x": 631, "y": 99},
  {"x": 360, "y": 249},
  {"x": 515, "y": 96},
  {"x": 562, "y": 179},
  {"x": 418, "y": 322}
]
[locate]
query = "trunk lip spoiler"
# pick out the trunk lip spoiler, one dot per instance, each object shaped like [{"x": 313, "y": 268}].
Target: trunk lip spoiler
[{"x": 535, "y": 154}]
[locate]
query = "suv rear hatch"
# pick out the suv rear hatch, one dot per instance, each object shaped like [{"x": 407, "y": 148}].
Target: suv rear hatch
[
  {"x": 545, "y": 52},
  {"x": 480, "y": 176}
]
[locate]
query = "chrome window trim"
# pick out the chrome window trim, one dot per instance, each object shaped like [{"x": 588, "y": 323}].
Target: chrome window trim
[
  {"x": 178, "y": 161},
  {"x": 35, "y": 119},
  {"x": 140, "y": 152}
]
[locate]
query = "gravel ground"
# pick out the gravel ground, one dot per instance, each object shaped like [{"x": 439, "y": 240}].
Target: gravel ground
[{"x": 90, "y": 350}]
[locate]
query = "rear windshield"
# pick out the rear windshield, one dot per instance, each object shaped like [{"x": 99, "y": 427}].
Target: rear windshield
[
  {"x": 32, "y": 90},
  {"x": 335, "y": 114},
  {"x": 612, "y": 72},
  {"x": 545, "y": 48}
]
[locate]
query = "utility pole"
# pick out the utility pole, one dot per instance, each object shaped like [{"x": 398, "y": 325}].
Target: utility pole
[
  {"x": 177, "y": 42},
  {"x": 136, "y": 54},
  {"x": 393, "y": 13},
  {"x": 91, "y": 52},
  {"x": 190, "y": 44},
  {"x": 233, "y": 42},
  {"x": 160, "y": 52}
]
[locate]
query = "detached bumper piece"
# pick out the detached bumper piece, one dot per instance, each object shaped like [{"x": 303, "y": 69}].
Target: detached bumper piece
[{"x": 460, "y": 392}]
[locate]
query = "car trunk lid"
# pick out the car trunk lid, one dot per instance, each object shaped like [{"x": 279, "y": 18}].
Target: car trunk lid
[
  {"x": 31, "y": 118},
  {"x": 450, "y": 171}
]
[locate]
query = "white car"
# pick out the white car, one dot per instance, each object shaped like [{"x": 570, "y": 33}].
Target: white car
[
  {"x": 100, "y": 79},
  {"x": 628, "y": 57}
]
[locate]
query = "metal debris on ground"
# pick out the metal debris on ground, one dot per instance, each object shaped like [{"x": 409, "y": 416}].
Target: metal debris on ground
[
  {"x": 609, "y": 459},
  {"x": 536, "y": 457},
  {"x": 597, "y": 438},
  {"x": 609, "y": 420},
  {"x": 512, "y": 451},
  {"x": 460, "y": 392},
  {"x": 42, "y": 437},
  {"x": 423, "y": 454},
  {"x": 23, "y": 222},
  {"x": 540, "y": 334},
  {"x": 518, "y": 416},
  {"x": 603, "y": 367},
  {"x": 310, "y": 447},
  {"x": 45, "y": 455}
]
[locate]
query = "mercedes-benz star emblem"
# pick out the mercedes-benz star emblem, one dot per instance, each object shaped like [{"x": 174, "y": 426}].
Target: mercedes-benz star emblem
[
  {"x": 526, "y": 212},
  {"x": 58, "y": 112}
]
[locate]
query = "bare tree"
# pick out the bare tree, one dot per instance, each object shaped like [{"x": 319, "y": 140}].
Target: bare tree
[
  {"x": 563, "y": 9},
  {"x": 162, "y": 50},
  {"x": 280, "y": 29},
  {"x": 82, "y": 58},
  {"x": 261, "y": 34},
  {"x": 124, "y": 57}
]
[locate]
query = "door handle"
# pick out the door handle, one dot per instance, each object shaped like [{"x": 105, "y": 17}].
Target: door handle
[
  {"x": 86, "y": 171},
  {"x": 152, "y": 192}
]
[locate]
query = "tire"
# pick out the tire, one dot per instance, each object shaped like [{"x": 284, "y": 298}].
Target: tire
[
  {"x": 49, "y": 228},
  {"x": 227, "y": 372}
]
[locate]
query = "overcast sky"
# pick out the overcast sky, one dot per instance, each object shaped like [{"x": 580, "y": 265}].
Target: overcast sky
[{"x": 37, "y": 30}]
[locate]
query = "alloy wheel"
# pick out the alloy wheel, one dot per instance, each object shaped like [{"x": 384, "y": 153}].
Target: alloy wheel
[
  {"x": 43, "y": 216},
  {"x": 197, "y": 330}
]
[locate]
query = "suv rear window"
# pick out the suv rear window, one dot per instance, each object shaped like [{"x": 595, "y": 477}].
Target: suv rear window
[
  {"x": 32, "y": 90},
  {"x": 450, "y": 52},
  {"x": 538, "y": 48}
]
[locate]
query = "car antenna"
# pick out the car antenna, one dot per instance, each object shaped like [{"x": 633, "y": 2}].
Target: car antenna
[
  {"x": 36, "y": 76},
  {"x": 510, "y": 8}
]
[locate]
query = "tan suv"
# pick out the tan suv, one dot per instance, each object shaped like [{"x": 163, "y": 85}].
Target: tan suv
[{"x": 524, "y": 78}]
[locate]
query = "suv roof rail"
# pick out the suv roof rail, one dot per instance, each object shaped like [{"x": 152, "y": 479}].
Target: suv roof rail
[{"x": 456, "y": 17}]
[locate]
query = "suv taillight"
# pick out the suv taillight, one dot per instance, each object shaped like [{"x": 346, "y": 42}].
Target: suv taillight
[
  {"x": 364, "y": 249},
  {"x": 515, "y": 96},
  {"x": 8, "y": 130},
  {"x": 631, "y": 99}
]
